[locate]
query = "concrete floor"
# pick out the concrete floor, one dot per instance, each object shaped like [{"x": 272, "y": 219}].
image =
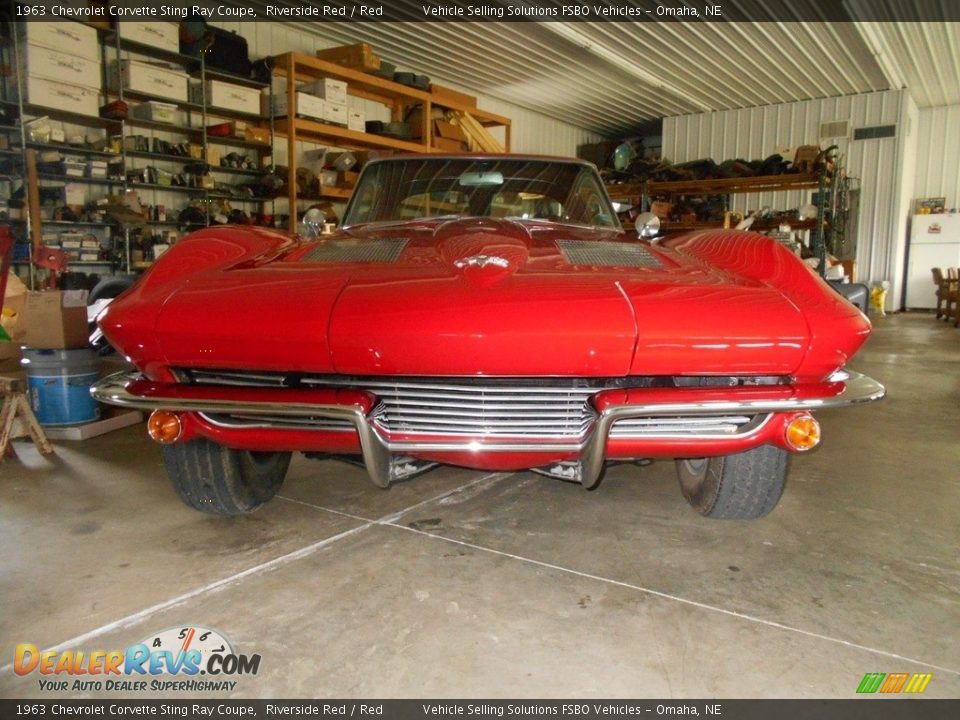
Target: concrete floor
[{"x": 514, "y": 585}]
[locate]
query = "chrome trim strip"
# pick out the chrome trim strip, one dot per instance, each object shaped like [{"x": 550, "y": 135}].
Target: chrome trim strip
[
  {"x": 247, "y": 421},
  {"x": 377, "y": 452},
  {"x": 695, "y": 428}
]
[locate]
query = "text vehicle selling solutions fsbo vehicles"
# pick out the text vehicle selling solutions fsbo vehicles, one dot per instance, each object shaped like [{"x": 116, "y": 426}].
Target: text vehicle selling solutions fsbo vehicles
[{"x": 488, "y": 312}]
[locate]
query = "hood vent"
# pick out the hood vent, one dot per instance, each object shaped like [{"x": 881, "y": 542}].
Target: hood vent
[
  {"x": 385, "y": 250},
  {"x": 603, "y": 252}
]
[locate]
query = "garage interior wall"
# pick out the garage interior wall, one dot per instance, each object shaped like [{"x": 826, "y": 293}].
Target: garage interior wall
[
  {"x": 531, "y": 132},
  {"x": 938, "y": 154},
  {"x": 757, "y": 132}
]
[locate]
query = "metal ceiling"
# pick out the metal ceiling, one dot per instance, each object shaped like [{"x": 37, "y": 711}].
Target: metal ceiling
[{"x": 612, "y": 77}]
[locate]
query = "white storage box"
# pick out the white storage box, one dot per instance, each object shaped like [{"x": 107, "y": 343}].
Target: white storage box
[
  {"x": 82, "y": 100},
  {"x": 227, "y": 95},
  {"x": 308, "y": 106},
  {"x": 71, "y": 240},
  {"x": 163, "y": 35},
  {"x": 356, "y": 121},
  {"x": 155, "y": 111},
  {"x": 141, "y": 77},
  {"x": 331, "y": 90},
  {"x": 336, "y": 113},
  {"x": 96, "y": 169},
  {"x": 62, "y": 67},
  {"x": 67, "y": 37},
  {"x": 73, "y": 168}
]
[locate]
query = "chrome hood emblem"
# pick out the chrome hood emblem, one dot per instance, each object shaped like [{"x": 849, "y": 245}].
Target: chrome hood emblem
[{"x": 482, "y": 261}]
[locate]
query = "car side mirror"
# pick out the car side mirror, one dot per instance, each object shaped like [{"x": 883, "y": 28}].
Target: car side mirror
[
  {"x": 648, "y": 225},
  {"x": 313, "y": 222}
]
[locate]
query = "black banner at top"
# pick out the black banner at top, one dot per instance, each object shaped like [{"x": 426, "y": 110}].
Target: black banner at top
[{"x": 608, "y": 11}]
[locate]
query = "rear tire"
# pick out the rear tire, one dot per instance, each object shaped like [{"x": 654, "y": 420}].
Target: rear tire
[
  {"x": 215, "y": 479},
  {"x": 743, "y": 486}
]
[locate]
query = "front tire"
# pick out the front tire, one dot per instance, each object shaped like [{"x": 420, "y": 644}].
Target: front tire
[
  {"x": 215, "y": 479},
  {"x": 743, "y": 486}
]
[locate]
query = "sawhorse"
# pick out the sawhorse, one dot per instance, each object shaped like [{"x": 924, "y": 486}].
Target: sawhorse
[{"x": 15, "y": 406}]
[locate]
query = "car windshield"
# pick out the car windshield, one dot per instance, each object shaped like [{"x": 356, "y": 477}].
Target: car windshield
[{"x": 522, "y": 189}]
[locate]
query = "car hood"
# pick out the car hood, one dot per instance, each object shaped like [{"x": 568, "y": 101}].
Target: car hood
[{"x": 481, "y": 297}]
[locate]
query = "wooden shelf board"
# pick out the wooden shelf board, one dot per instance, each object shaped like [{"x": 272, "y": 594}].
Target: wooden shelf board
[
  {"x": 312, "y": 130},
  {"x": 624, "y": 190},
  {"x": 74, "y": 149},
  {"x": 65, "y": 116},
  {"x": 726, "y": 186}
]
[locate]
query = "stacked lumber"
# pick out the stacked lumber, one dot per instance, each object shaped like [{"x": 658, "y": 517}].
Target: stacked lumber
[{"x": 478, "y": 138}]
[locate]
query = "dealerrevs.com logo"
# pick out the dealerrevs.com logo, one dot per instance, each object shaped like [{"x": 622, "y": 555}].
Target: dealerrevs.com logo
[
  {"x": 171, "y": 660},
  {"x": 891, "y": 683}
]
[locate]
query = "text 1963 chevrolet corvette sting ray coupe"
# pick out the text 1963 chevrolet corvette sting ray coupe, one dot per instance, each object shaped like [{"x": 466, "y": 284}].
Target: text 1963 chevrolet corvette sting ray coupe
[{"x": 487, "y": 312}]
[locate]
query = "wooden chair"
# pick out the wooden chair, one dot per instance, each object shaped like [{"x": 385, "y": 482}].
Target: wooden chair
[
  {"x": 945, "y": 291},
  {"x": 952, "y": 296}
]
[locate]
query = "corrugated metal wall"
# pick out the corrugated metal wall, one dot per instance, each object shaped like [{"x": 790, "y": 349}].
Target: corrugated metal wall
[
  {"x": 938, "y": 154},
  {"x": 757, "y": 132},
  {"x": 531, "y": 132}
]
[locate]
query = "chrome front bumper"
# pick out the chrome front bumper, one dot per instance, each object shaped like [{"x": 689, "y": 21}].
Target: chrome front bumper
[{"x": 384, "y": 458}]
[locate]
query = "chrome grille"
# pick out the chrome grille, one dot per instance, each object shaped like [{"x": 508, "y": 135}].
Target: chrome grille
[
  {"x": 522, "y": 408},
  {"x": 482, "y": 411},
  {"x": 603, "y": 252},
  {"x": 332, "y": 251}
]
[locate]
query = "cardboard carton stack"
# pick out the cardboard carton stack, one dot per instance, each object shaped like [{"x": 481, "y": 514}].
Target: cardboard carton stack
[{"x": 61, "y": 66}]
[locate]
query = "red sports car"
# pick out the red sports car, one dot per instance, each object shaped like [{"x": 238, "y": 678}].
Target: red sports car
[{"x": 488, "y": 312}]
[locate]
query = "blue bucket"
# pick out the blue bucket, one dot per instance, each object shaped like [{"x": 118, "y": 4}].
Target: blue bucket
[{"x": 59, "y": 385}]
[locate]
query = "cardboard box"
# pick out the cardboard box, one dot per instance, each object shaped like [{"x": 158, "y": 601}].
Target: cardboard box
[
  {"x": 49, "y": 93},
  {"x": 163, "y": 35},
  {"x": 74, "y": 70},
  {"x": 149, "y": 79},
  {"x": 359, "y": 56},
  {"x": 230, "y": 128},
  {"x": 333, "y": 91},
  {"x": 347, "y": 179},
  {"x": 213, "y": 156},
  {"x": 661, "y": 209},
  {"x": 308, "y": 106},
  {"x": 55, "y": 320},
  {"x": 68, "y": 37},
  {"x": 449, "y": 131},
  {"x": 9, "y": 357},
  {"x": 356, "y": 121},
  {"x": 336, "y": 114},
  {"x": 227, "y": 95},
  {"x": 155, "y": 111}
]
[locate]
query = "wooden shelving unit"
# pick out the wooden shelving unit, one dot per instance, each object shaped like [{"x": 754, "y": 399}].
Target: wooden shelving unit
[
  {"x": 399, "y": 98},
  {"x": 112, "y": 47}
]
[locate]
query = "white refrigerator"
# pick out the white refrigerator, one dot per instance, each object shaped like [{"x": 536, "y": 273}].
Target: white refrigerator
[{"x": 934, "y": 242}]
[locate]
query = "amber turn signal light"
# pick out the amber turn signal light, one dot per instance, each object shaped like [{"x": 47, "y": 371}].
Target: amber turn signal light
[
  {"x": 164, "y": 426},
  {"x": 803, "y": 433}
]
